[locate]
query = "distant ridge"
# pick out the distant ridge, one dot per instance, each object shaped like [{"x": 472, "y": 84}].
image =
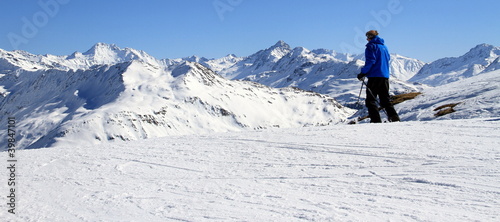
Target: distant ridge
[{"x": 110, "y": 93}]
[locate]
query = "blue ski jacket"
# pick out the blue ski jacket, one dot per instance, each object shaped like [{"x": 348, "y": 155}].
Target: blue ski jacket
[{"x": 376, "y": 59}]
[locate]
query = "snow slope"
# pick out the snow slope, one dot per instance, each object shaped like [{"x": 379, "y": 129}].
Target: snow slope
[
  {"x": 477, "y": 97},
  {"x": 410, "y": 171},
  {"x": 139, "y": 99}
]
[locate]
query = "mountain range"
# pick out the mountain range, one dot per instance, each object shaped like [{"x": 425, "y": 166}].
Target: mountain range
[
  {"x": 480, "y": 59},
  {"x": 332, "y": 73},
  {"x": 111, "y": 93}
]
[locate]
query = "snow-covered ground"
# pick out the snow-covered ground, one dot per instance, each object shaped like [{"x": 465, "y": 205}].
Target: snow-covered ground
[
  {"x": 410, "y": 171},
  {"x": 476, "y": 97}
]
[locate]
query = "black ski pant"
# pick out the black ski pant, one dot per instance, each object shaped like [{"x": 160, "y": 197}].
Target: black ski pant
[{"x": 379, "y": 87}]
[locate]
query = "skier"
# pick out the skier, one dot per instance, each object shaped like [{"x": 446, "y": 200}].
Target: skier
[{"x": 376, "y": 69}]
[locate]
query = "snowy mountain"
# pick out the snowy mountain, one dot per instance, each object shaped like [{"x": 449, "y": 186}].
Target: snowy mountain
[
  {"x": 480, "y": 59},
  {"x": 218, "y": 65},
  {"x": 109, "y": 93},
  {"x": 320, "y": 70},
  {"x": 99, "y": 54},
  {"x": 136, "y": 96},
  {"x": 262, "y": 61},
  {"x": 403, "y": 68}
]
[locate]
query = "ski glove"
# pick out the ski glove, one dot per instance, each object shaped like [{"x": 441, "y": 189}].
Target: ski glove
[{"x": 361, "y": 76}]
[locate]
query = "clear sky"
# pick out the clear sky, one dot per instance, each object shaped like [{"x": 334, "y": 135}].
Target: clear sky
[{"x": 421, "y": 29}]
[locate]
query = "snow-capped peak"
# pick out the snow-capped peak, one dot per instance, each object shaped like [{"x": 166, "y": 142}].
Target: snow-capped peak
[
  {"x": 334, "y": 54},
  {"x": 99, "y": 54},
  {"x": 275, "y": 52},
  {"x": 13, "y": 60},
  {"x": 403, "y": 67},
  {"x": 300, "y": 51},
  {"x": 106, "y": 53},
  {"x": 102, "y": 48},
  {"x": 281, "y": 44},
  {"x": 102, "y": 53},
  {"x": 482, "y": 51},
  {"x": 195, "y": 58},
  {"x": 479, "y": 59}
]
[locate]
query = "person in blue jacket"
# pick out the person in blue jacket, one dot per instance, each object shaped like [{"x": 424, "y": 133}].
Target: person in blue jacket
[{"x": 376, "y": 69}]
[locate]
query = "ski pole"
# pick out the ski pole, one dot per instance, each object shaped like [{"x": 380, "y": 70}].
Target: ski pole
[{"x": 360, "y": 90}]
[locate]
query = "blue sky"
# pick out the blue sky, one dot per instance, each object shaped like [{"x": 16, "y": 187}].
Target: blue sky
[{"x": 421, "y": 29}]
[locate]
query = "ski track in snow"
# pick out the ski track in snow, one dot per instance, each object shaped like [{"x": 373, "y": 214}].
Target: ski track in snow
[{"x": 408, "y": 171}]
